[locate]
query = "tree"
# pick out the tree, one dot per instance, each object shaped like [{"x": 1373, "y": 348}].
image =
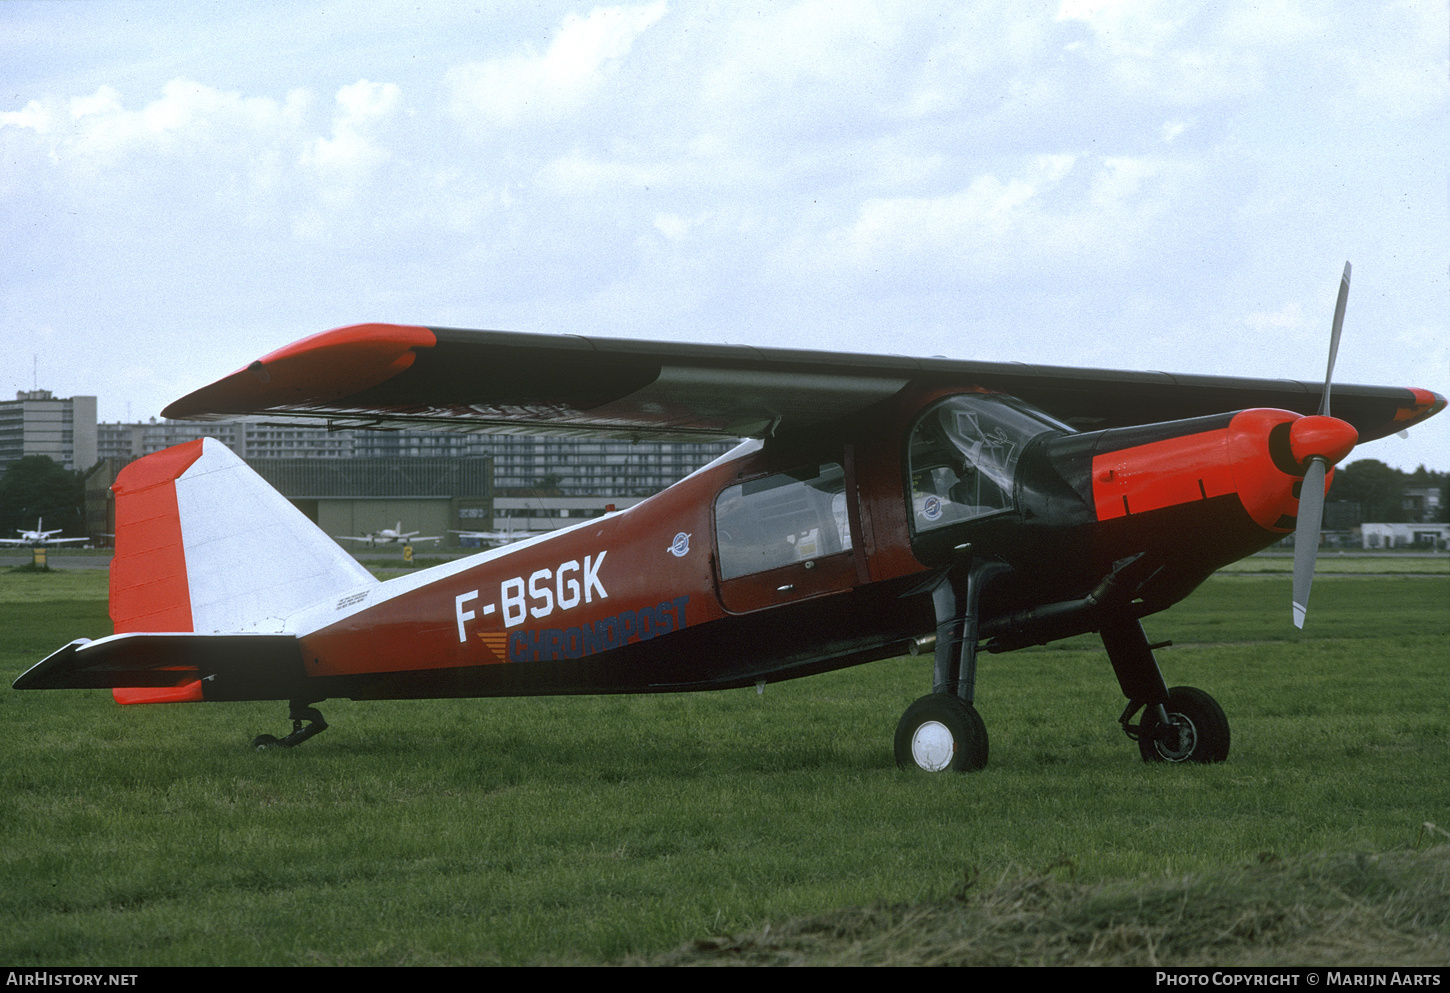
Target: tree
[
  {"x": 1378, "y": 489},
  {"x": 37, "y": 487}
]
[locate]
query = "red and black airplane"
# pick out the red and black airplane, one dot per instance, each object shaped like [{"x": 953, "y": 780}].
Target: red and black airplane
[{"x": 879, "y": 504}]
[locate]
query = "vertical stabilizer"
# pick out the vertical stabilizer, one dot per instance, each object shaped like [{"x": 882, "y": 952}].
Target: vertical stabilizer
[{"x": 203, "y": 544}]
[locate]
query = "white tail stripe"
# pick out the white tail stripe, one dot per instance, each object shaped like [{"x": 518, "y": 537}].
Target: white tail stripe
[{"x": 252, "y": 558}]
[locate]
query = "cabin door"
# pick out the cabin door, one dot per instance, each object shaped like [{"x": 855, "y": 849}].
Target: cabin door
[{"x": 787, "y": 536}]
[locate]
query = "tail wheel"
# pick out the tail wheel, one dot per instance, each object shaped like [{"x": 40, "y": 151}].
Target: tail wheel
[
  {"x": 1197, "y": 730},
  {"x": 941, "y": 732}
]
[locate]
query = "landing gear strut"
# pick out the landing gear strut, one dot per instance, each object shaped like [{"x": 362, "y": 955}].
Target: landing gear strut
[
  {"x": 942, "y": 730},
  {"x": 301, "y": 711},
  {"x": 1183, "y": 724}
]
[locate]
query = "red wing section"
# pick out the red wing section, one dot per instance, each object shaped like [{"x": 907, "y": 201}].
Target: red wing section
[{"x": 501, "y": 381}]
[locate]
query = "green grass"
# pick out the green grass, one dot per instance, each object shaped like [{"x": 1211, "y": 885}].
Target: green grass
[
  {"x": 1351, "y": 563},
  {"x": 592, "y": 829}
]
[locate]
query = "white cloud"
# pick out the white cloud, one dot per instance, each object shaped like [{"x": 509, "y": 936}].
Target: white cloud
[
  {"x": 96, "y": 134},
  {"x": 556, "y": 82},
  {"x": 352, "y": 153},
  {"x": 1058, "y": 210},
  {"x": 1167, "y": 51},
  {"x": 105, "y": 100}
]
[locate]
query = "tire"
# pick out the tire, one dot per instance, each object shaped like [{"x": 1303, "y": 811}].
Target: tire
[
  {"x": 941, "y": 732},
  {"x": 1203, "y": 729}
]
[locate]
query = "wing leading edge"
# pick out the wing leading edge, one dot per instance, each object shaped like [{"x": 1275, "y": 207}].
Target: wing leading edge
[{"x": 384, "y": 374}]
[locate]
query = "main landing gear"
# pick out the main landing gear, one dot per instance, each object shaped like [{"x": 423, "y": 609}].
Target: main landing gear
[
  {"x": 301, "y": 711},
  {"x": 943, "y": 731}
]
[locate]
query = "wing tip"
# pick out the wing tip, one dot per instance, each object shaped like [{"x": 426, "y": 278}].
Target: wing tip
[{"x": 317, "y": 368}]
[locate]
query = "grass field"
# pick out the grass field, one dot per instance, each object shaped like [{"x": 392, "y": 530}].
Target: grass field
[{"x": 624, "y": 829}]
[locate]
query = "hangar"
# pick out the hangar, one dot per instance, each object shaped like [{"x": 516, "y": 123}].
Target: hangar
[
  {"x": 356, "y": 496},
  {"x": 361, "y": 496}
]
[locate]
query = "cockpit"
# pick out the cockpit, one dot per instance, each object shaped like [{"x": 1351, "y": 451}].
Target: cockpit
[{"x": 963, "y": 456}]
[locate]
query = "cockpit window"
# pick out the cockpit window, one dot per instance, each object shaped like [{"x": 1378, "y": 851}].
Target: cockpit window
[
  {"x": 778, "y": 520},
  {"x": 964, "y": 453}
]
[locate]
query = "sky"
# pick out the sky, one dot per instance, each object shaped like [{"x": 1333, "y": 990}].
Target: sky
[{"x": 1120, "y": 184}]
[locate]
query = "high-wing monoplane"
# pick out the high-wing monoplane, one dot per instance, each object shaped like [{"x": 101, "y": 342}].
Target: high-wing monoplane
[
  {"x": 389, "y": 536},
  {"x": 878, "y": 504},
  {"x": 39, "y": 538}
]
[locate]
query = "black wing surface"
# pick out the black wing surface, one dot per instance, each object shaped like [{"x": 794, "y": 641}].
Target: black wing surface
[{"x": 373, "y": 375}]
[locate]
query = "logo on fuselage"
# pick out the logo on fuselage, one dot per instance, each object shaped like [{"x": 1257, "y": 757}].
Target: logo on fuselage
[{"x": 599, "y": 635}]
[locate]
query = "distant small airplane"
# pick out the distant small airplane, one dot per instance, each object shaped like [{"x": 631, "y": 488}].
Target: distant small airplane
[
  {"x": 388, "y": 536},
  {"x": 498, "y": 537},
  {"x": 38, "y": 538}
]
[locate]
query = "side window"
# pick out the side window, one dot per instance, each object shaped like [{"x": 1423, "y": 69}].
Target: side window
[{"x": 779, "y": 520}]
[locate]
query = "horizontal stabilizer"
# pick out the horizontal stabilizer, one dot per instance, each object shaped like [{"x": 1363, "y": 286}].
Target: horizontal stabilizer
[{"x": 229, "y": 666}]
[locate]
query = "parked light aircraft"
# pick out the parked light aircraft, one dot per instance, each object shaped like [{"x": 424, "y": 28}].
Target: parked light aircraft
[
  {"x": 879, "y": 503},
  {"x": 495, "y": 537},
  {"x": 389, "y": 536},
  {"x": 39, "y": 538}
]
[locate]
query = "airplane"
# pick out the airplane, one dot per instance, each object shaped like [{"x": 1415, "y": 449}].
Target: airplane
[
  {"x": 389, "y": 536},
  {"x": 39, "y": 538},
  {"x": 494, "y": 537},
  {"x": 878, "y": 504}
]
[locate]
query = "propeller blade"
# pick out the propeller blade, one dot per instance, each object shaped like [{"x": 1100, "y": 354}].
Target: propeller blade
[
  {"x": 1334, "y": 337},
  {"x": 1306, "y": 535},
  {"x": 1311, "y": 491}
]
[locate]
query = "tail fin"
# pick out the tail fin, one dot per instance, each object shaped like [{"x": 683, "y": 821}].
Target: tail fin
[{"x": 204, "y": 545}]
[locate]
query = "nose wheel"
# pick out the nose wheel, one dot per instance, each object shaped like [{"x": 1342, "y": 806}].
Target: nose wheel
[{"x": 1195, "y": 730}]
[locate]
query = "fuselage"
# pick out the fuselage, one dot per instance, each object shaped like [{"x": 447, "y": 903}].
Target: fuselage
[{"x": 803, "y": 554}]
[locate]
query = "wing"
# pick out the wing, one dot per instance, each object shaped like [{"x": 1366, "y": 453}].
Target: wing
[{"x": 380, "y": 374}]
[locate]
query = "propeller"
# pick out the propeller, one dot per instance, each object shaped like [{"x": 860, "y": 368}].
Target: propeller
[{"x": 1321, "y": 441}]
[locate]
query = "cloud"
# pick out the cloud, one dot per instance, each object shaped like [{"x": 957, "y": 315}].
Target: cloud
[
  {"x": 1168, "y": 52},
  {"x": 95, "y": 137},
  {"x": 531, "y": 85},
  {"x": 352, "y": 153},
  {"x": 1054, "y": 210}
]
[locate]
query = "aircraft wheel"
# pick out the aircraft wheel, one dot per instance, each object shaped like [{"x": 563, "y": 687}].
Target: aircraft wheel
[
  {"x": 1198, "y": 730},
  {"x": 940, "y": 732}
]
